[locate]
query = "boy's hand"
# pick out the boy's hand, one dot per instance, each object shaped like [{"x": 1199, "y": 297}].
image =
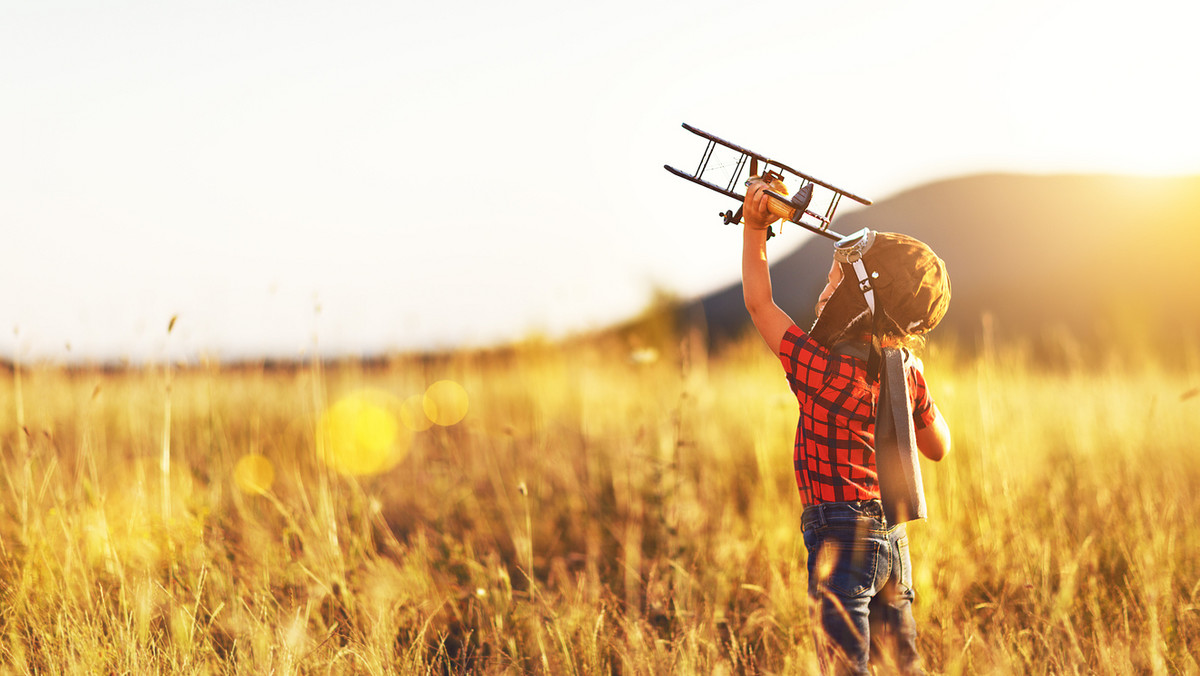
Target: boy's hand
[{"x": 755, "y": 213}]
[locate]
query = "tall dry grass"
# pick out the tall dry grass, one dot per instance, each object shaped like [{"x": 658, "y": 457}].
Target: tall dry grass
[{"x": 605, "y": 507}]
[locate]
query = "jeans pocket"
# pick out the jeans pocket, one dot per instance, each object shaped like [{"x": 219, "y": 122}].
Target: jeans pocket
[{"x": 846, "y": 567}]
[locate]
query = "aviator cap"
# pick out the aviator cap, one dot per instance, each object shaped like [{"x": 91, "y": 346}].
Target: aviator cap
[{"x": 912, "y": 288}]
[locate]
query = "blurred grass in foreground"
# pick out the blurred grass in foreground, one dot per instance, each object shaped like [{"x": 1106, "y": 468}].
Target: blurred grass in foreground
[{"x": 607, "y": 507}]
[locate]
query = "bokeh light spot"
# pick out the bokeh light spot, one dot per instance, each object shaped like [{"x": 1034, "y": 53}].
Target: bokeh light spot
[
  {"x": 412, "y": 413},
  {"x": 361, "y": 434},
  {"x": 254, "y": 474},
  {"x": 445, "y": 402}
]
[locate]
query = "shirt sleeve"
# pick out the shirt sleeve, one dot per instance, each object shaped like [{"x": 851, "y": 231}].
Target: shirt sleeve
[
  {"x": 922, "y": 402},
  {"x": 804, "y": 361}
]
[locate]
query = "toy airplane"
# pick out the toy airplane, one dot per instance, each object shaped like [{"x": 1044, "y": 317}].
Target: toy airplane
[{"x": 794, "y": 209}]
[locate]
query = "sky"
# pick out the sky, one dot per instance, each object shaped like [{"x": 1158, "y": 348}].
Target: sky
[{"x": 354, "y": 178}]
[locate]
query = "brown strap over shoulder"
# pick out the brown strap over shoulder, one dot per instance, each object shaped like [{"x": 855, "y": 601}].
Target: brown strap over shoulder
[{"x": 900, "y": 486}]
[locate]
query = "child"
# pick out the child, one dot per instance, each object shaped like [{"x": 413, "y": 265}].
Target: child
[{"x": 883, "y": 290}]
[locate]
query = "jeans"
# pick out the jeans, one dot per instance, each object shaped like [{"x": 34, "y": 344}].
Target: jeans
[{"x": 860, "y": 582}]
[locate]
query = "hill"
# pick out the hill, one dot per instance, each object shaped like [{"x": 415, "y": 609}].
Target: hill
[{"x": 1096, "y": 257}]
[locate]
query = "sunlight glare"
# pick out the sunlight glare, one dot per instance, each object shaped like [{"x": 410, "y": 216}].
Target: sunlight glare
[
  {"x": 412, "y": 413},
  {"x": 254, "y": 474},
  {"x": 361, "y": 434},
  {"x": 1112, "y": 95},
  {"x": 446, "y": 402}
]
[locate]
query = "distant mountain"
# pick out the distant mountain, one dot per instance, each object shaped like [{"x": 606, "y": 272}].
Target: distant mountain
[{"x": 1101, "y": 258}]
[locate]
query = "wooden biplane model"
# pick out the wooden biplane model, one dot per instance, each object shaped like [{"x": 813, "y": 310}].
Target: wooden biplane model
[{"x": 794, "y": 209}]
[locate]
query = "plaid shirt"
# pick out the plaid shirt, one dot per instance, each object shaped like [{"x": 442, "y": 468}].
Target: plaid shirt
[{"x": 835, "y": 436}]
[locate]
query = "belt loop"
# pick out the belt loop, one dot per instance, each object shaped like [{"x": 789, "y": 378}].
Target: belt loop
[{"x": 821, "y": 514}]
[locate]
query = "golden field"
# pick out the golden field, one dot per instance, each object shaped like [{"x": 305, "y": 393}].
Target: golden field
[{"x": 615, "y": 505}]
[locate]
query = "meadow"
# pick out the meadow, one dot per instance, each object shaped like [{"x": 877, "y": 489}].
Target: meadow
[{"x": 618, "y": 505}]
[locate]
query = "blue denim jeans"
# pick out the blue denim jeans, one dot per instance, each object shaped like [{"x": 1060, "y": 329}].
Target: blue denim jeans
[{"x": 860, "y": 582}]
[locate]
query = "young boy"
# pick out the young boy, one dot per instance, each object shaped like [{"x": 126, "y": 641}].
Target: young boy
[{"x": 860, "y": 576}]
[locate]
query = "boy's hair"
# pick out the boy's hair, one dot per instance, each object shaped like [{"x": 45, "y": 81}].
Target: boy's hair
[{"x": 911, "y": 287}]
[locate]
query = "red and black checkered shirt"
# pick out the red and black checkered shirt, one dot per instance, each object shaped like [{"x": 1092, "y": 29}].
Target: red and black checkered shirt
[{"x": 835, "y": 437}]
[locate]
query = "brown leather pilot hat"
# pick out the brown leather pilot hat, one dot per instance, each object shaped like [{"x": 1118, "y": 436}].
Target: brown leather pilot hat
[{"x": 912, "y": 288}]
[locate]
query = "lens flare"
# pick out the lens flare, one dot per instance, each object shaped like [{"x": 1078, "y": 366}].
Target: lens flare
[
  {"x": 254, "y": 474},
  {"x": 361, "y": 434},
  {"x": 412, "y": 413},
  {"x": 445, "y": 402}
]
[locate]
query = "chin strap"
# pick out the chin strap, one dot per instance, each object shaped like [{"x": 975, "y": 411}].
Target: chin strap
[
  {"x": 850, "y": 249},
  {"x": 864, "y": 283},
  {"x": 868, "y": 292}
]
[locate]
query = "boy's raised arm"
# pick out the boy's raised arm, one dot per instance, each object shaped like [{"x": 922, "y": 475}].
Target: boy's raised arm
[{"x": 768, "y": 318}]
